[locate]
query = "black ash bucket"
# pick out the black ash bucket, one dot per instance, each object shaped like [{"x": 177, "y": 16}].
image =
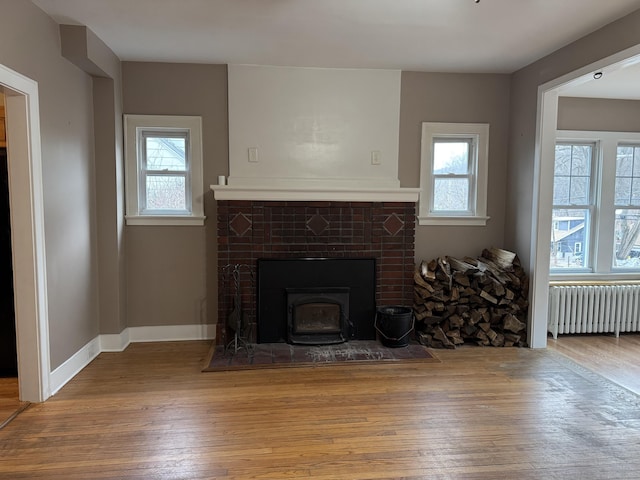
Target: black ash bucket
[{"x": 394, "y": 324}]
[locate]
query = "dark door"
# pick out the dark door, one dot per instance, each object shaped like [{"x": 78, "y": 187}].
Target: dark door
[{"x": 8, "y": 355}]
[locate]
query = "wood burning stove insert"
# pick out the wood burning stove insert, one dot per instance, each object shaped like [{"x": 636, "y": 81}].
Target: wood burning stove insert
[
  {"x": 317, "y": 316},
  {"x": 316, "y": 300}
]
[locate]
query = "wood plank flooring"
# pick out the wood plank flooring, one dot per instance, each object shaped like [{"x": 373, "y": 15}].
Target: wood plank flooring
[
  {"x": 617, "y": 358},
  {"x": 482, "y": 413},
  {"x": 10, "y": 405}
]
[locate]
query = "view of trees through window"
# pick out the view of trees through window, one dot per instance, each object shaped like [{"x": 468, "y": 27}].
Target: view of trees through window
[
  {"x": 575, "y": 234},
  {"x": 165, "y": 173},
  {"x": 627, "y": 195},
  {"x": 572, "y": 204},
  {"x": 451, "y": 175}
]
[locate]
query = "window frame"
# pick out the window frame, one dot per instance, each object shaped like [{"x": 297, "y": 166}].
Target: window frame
[
  {"x": 602, "y": 241},
  {"x": 136, "y": 130},
  {"x": 591, "y": 223},
  {"x": 478, "y": 136},
  {"x": 620, "y": 206}
]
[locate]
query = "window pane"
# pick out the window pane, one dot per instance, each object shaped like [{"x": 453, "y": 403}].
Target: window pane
[
  {"x": 569, "y": 238},
  {"x": 635, "y": 192},
  {"x": 451, "y": 194},
  {"x": 579, "y": 191},
  {"x": 623, "y": 191},
  {"x": 166, "y": 192},
  {"x": 636, "y": 161},
  {"x": 450, "y": 157},
  {"x": 572, "y": 175},
  {"x": 624, "y": 162},
  {"x": 628, "y": 175},
  {"x": 627, "y": 230},
  {"x": 166, "y": 153},
  {"x": 563, "y": 160},
  {"x": 561, "y": 186},
  {"x": 581, "y": 160}
]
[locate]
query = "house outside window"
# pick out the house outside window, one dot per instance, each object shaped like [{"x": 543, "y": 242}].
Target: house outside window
[
  {"x": 573, "y": 204},
  {"x": 453, "y": 182},
  {"x": 596, "y": 204},
  {"x": 163, "y": 179}
]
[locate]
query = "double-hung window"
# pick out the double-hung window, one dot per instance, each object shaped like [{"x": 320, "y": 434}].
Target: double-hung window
[
  {"x": 453, "y": 174},
  {"x": 627, "y": 205},
  {"x": 573, "y": 205},
  {"x": 596, "y": 204},
  {"x": 164, "y": 170}
]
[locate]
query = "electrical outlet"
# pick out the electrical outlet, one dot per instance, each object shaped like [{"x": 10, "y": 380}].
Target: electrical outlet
[
  {"x": 253, "y": 155},
  {"x": 375, "y": 157}
]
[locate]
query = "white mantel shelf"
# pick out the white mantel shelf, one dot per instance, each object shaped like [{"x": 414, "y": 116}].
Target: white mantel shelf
[{"x": 315, "y": 194}]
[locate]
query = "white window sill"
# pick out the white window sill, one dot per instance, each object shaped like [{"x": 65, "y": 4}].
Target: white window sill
[
  {"x": 562, "y": 278},
  {"x": 453, "y": 221},
  {"x": 168, "y": 220}
]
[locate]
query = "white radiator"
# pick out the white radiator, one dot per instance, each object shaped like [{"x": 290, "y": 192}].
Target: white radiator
[{"x": 610, "y": 308}]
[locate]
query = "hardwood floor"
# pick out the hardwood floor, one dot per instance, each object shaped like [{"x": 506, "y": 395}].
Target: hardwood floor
[
  {"x": 618, "y": 359},
  {"x": 482, "y": 413},
  {"x": 10, "y": 405}
]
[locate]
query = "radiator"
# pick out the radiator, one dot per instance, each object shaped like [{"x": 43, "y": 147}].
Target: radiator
[{"x": 611, "y": 308}]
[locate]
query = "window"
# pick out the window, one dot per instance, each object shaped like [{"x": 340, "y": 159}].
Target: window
[
  {"x": 453, "y": 179},
  {"x": 163, "y": 175},
  {"x": 627, "y": 214},
  {"x": 573, "y": 205},
  {"x": 596, "y": 204}
]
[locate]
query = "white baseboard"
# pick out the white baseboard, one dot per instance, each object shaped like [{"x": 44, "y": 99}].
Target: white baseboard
[
  {"x": 119, "y": 341},
  {"x": 170, "y": 333},
  {"x": 69, "y": 369},
  {"x": 115, "y": 342}
]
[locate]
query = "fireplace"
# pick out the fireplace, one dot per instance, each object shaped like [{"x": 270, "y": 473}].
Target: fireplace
[
  {"x": 317, "y": 316},
  {"x": 316, "y": 300},
  {"x": 254, "y": 233}
]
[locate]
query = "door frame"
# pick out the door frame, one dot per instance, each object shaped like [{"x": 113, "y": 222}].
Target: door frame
[
  {"x": 546, "y": 126},
  {"x": 24, "y": 161}
]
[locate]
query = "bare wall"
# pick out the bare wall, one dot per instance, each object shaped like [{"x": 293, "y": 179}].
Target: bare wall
[
  {"x": 30, "y": 45},
  {"x": 461, "y": 98},
  {"x": 598, "y": 114},
  {"x": 172, "y": 271}
]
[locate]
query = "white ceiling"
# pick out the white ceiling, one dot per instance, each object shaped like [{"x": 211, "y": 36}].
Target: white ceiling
[
  {"x": 498, "y": 36},
  {"x": 622, "y": 82}
]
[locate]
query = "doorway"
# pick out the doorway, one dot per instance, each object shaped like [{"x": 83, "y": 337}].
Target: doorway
[
  {"x": 27, "y": 234},
  {"x": 546, "y": 128},
  {"x": 8, "y": 351}
]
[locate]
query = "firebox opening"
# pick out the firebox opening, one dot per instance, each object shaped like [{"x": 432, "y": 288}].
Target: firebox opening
[
  {"x": 350, "y": 281},
  {"x": 318, "y": 316}
]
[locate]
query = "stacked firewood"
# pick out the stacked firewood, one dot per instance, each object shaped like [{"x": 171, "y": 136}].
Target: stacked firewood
[{"x": 482, "y": 301}]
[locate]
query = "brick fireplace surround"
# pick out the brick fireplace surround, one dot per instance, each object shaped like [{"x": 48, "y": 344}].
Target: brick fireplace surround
[{"x": 249, "y": 230}]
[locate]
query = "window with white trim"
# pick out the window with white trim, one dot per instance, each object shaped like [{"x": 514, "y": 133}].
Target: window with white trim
[
  {"x": 573, "y": 205},
  {"x": 627, "y": 208},
  {"x": 453, "y": 179},
  {"x": 596, "y": 204},
  {"x": 163, "y": 175}
]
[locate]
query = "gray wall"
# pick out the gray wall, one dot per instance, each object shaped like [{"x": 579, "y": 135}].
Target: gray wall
[
  {"x": 30, "y": 45},
  {"x": 611, "y": 39},
  {"x": 598, "y": 114},
  {"x": 172, "y": 271},
  {"x": 464, "y": 98},
  {"x": 167, "y": 276}
]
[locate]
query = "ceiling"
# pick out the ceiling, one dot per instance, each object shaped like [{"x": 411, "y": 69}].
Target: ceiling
[{"x": 496, "y": 36}]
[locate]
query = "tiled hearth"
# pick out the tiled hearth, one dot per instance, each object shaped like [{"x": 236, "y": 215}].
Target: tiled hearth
[{"x": 249, "y": 230}]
